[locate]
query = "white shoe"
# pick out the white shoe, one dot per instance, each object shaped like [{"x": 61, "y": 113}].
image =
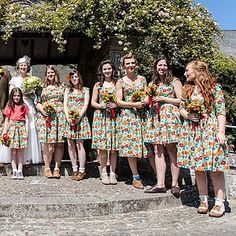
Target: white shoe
[
  {"x": 113, "y": 179},
  {"x": 105, "y": 178},
  {"x": 20, "y": 175},
  {"x": 14, "y": 175}
]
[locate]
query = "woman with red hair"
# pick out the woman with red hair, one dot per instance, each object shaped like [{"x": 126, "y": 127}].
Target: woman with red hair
[{"x": 202, "y": 145}]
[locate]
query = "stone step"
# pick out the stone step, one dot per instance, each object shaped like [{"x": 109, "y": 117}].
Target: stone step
[{"x": 38, "y": 197}]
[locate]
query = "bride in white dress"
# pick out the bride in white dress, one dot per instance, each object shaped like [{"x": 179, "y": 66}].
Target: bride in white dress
[{"x": 32, "y": 153}]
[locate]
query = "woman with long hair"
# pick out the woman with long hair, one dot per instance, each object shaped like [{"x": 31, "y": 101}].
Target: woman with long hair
[
  {"x": 51, "y": 121},
  {"x": 76, "y": 100},
  {"x": 164, "y": 123},
  {"x": 104, "y": 129},
  {"x": 202, "y": 145}
]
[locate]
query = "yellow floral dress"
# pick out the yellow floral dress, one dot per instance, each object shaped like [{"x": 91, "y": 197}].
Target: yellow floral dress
[
  {"x": 164, "y": 128},
  {"x": 54, "y": 130},
  {"x": 75, "y": 103},
  {"x": 198, "y": 148},
  {"x": 104, "y": 128},
  {"x": 132, "y": 125}
]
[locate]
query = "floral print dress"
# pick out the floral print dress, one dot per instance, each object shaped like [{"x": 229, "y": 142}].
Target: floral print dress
[
  {"x": 104, "y": 129},
  {"x": 163, "y": 126},
  {"x": 198, "y": 148},
  {"x": 75, "y": 103},
  {"x": 132, "y": 125},
  {"x": 53, "y": 131}
]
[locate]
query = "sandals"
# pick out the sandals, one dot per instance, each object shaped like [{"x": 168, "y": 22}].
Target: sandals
[
  {"x": 203, "y": 208},
  {"x": 216, "y": 211}
]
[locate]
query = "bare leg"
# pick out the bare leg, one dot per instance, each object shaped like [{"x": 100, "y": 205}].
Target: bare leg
[
  {"x": 20, "y": 157},
  {"x": 114, "y": 156},
  {"x": 103, "y": 160},
  {"x": 160, "y": 165},
  {"x": 201, "y": 179},
  {"x": 172, "y": 152},
  {"x": 82, "y": 155},
  {"x": 133, "y": 165},
  {"x": 218, "y": 181},
  {"x": 72, "y": 154},
  {"x": 13, "y": 159},
  {"x": 58, "y": 154},
  {"x": 48, "y": 149}
]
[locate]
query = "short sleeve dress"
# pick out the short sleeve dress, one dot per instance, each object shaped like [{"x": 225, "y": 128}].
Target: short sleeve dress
[
  {"x": 164, "y": 128},
  {"x": 55, "y": 132},
  {"x": 198, "y": 148},
  {"x": 75, "y": 103},
  {"x": 132, "y": 125},
  {"x": 104, "y": 128}
]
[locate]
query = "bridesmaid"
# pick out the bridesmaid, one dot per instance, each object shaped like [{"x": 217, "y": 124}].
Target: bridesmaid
[
  {"x": 32, "y": 154},
  {"x": 133, "y": 118},
  {"x": 202, "y": 145},
  {"x": 76, "y": 100},
  {"x": 104, "y": 125},
  {"x": 51, "y": 121},
  {"x": 164, "y": 124}
]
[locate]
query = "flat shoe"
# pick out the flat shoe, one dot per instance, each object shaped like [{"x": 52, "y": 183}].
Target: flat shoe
[
  {"x": 203, "y": 208},
  {"x": 137, "y": 184},
  {"x": 156, "y": 189},
  {"x": 216, "y": 212},
  {"x": 80, "y": 176},
  {"x": 175, "y": 190},
  {"x": 56, "y": 174}
]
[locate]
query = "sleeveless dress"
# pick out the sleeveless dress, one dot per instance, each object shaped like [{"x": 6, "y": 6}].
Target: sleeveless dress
[
  {"x": 165, "y": 127},
  {"x": 32, "y": 154},
  {"x": 54, "y": 131},
  {"x": 197, "y": 147},
  {"x": 132, "y": 125},
  {"x": 104, "y": 128},
  {"x": 75, "y": 103}
]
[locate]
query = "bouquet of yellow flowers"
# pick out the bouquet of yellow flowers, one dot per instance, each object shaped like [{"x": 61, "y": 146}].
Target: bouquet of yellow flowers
[
  {"x": 5, "y": 139},
  {"x": 74, "y": 116},
  {"x": 49, "y": 108},
  {"x": 196, "y": 108},
  {"x": 31, "y": 84},
  {"x": 138, "y": 96},
  {"x": 110, "y": 97}
]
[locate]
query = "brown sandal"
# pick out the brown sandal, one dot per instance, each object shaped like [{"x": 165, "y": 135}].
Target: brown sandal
[
  {"x": 203, "y": 208},
  {"x": 216, "y": 211}
]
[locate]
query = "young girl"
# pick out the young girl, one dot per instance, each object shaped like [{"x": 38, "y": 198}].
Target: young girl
[
  {"x": 16, "y": 126},
  {"x": 76, "y": 99},
  {"x": 104, "y": 125}
]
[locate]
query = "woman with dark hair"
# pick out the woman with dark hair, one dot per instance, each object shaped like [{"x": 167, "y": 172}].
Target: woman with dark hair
[
  {"x": 104, "y": 132},
  {"x": 33, "y": 150},
  {"x": 51, "y": 121},
  {"x": 202, "y": 145},
  {"x": 164, "y": 123},
  {"x": 76, "y": 100}
]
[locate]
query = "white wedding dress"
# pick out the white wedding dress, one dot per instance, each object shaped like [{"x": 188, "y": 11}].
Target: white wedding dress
[{"x": 32, "y": 154}]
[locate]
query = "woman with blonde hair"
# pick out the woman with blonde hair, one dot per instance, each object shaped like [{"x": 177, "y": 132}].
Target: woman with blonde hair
[
  {"x": 202, "y": 145},
  {"x": 51, "y": 121}
]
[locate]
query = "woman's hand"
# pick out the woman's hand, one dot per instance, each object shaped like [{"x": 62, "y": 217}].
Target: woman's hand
[
  {"x": 103, "y": 105},
  {"x": 44, "y": 112},
  {"x": 220, "y": 137},
  {"x": 138, "y": 105},
  {"x": 158, "y": 99},
  {"x": 111, "y": 105},
  {"x": 193, "y": 118}
]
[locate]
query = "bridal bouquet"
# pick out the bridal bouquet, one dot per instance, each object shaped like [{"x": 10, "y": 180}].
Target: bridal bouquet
[{"x": 31, "y": 84}]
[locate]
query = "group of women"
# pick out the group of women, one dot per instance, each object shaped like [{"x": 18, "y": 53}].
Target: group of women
[{"x": 133, "y": 120}]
